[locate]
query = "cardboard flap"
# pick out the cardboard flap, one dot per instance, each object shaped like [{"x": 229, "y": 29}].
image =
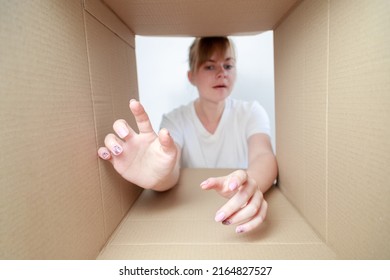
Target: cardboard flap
[{"x": 200, "y": 18}]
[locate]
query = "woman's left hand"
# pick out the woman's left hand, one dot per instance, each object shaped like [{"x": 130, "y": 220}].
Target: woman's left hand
[{"x": 246, "y": 206}]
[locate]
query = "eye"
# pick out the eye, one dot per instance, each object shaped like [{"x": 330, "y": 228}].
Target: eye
[
  {"x": 228, "y": 66},
  {"x": 209, "y": 67}
]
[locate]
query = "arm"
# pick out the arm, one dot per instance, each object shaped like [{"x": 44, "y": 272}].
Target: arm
[
  {"x": 244, "y": 188},
  {"x": 262, "y": 161},
  {"x": 146, "y": 159}
]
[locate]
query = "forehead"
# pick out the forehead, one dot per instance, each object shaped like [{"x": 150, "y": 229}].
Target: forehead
[{"x": 227, "y": 55}]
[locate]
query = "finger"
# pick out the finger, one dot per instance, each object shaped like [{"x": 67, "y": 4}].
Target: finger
[
  {"x": 123, "y": 130},
  {"x": 113, "y": 144},
  {"x": 256, "y": 221},
  {"x": 104, "y": 153},
  {"x": 141, "y": 117},
  {"x": 236, "y": 179},
  {"x": 237, "y": 201},
  {"x": 246, "y": 211},
  {"x": 166, "y": 141},
  {"x": 216, "y": 183}
]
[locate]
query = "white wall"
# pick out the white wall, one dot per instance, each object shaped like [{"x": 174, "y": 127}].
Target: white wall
[{"x": 162, "y": 73}]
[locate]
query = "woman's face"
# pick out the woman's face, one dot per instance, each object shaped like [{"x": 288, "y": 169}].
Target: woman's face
[{"x": 215, "y": 78}]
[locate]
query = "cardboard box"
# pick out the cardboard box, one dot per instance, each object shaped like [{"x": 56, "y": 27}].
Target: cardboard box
[{"x": 68, "y": 69}]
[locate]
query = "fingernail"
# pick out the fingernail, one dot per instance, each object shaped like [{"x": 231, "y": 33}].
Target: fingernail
[
  {"x": 261, "y": 219},
  {"x": 233, "y": 186},
  {"x": 117, "y": 150},
  {"x": 122, "y": 132},
  {"x": 105, "y": 155},
  {"x": 219, "y": 217},
  {"x": 227, "y": 222},
  {"x": 204, "y": 183},
  {"x": 240, "y": 229}
]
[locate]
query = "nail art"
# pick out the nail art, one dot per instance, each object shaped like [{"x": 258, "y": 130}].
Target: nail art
[
  {"x": 240, "y": 229},
  {"x": 227, "y": 222},
  {"x": 117, "y": 150},
  {"x": 105, "y": 155}
]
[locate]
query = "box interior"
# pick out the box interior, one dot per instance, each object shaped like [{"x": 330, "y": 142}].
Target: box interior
[{"x": 68, "y": 70}]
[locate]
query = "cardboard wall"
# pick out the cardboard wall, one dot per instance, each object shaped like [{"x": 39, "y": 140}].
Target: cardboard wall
[
  {"x": 332, "y": 63},
  {"x": 64, "y": 78},
  {"x": 67, "y": 71}
]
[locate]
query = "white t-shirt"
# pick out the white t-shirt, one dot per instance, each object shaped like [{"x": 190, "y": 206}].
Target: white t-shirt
[{"x": 228, "y": 146}]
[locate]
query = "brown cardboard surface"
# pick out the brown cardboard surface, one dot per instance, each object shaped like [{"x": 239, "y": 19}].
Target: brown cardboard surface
[
  {"x": 113, "y": 84},
  {"x": 359, "y": 129},
  {"x": 220, "y": 251},
  {"x": 183, "y": 218},
  {"x": 57, "y": 201},
  {"x": 200, "y": 18},
  {"x": 301, "y": 57},
  {"x": 332, "y": 67},
  {"x": 48, "y": 168},
  {"x": 67, "y": 70},
  {"x": 99, "y": 10}
]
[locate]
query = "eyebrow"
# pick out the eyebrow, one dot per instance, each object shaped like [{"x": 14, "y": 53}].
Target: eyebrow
[{"x": 227, "y": 59}]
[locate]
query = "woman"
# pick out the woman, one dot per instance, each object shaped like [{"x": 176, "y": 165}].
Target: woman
[{"x": 214, "y": 131}]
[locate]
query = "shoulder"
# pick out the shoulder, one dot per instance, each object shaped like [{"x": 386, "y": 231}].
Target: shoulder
[
  {"x": 179, "y": 112},
  {"x": 242, "y": 107},
  {"x": 178, "y": 117}
]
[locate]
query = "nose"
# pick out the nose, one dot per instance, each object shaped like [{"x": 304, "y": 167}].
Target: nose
[{"x": 222, "y": 72}]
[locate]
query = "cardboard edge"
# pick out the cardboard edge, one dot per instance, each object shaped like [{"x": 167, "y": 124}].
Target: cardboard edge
[
  {"x": 287, "y": 14},
  {"x": 108, "y": 18}
]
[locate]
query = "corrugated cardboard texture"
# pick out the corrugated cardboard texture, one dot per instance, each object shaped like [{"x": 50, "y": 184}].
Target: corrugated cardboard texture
[
  {"x": 359, "y": 129},
  {"x": 114, "y": 83},
  {"x": 99, "y": 10},
  {"x": 332, "y": 62},
  {"x": 67, "y": 73},
  {"x": 50, "y": 199},
  {"x": 200, "y": 17},
  {"x": 301, "y": 45},
  {"x": 179, "y": 224},
  {"x": 56, "y": 202}
]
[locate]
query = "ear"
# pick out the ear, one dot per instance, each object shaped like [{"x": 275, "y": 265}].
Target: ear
[{"x": 190, "y": 77}]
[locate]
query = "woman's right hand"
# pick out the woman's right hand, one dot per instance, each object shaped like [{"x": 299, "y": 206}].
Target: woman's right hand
[{"x": 145, "y": 158}]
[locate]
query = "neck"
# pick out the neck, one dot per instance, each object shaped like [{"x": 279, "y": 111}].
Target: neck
[{"x": 209, "y": 113}]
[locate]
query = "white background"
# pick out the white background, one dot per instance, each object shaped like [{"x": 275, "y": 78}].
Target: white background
[{"x": 162, "y": 65}]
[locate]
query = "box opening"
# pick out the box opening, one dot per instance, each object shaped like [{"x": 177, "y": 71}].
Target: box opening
[{"x": 162, "y": 65}]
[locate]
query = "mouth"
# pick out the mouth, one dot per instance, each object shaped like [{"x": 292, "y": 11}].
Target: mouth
[{"x": 220, "y": 86}]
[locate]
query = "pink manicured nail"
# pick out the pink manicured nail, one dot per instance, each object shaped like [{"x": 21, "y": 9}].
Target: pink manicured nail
[
  {"x": 233, "y": 186},
  {"x": 227, "y": 222},
  {"x": 122, "y": 132},
  {"x": 240, "y": 229},
  {"x": 105, "y": 155},
  {"x": 219, "y": 217},
  {"x": 204, "y": 183},
  {"x": 117, "y": 150}
]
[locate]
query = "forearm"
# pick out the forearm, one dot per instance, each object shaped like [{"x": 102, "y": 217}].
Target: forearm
[{"x": 263, "y": 169}]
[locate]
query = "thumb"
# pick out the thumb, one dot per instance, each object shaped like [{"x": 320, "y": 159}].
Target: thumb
[{"x": 166, "y": 141}]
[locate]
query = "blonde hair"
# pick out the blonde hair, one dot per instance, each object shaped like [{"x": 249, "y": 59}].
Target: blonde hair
[{"x": 203, "y": 48}]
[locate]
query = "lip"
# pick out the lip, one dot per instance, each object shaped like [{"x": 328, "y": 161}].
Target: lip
[{"x": 220, "y": 86}]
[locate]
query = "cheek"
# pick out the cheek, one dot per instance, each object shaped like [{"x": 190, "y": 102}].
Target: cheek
[{"x": 233, "y": 77}]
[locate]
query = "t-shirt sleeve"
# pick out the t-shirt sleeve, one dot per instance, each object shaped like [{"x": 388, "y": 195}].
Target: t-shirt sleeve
[
  {"x": 173, "y": 128},
  {"x": 258, "y": 121}
]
